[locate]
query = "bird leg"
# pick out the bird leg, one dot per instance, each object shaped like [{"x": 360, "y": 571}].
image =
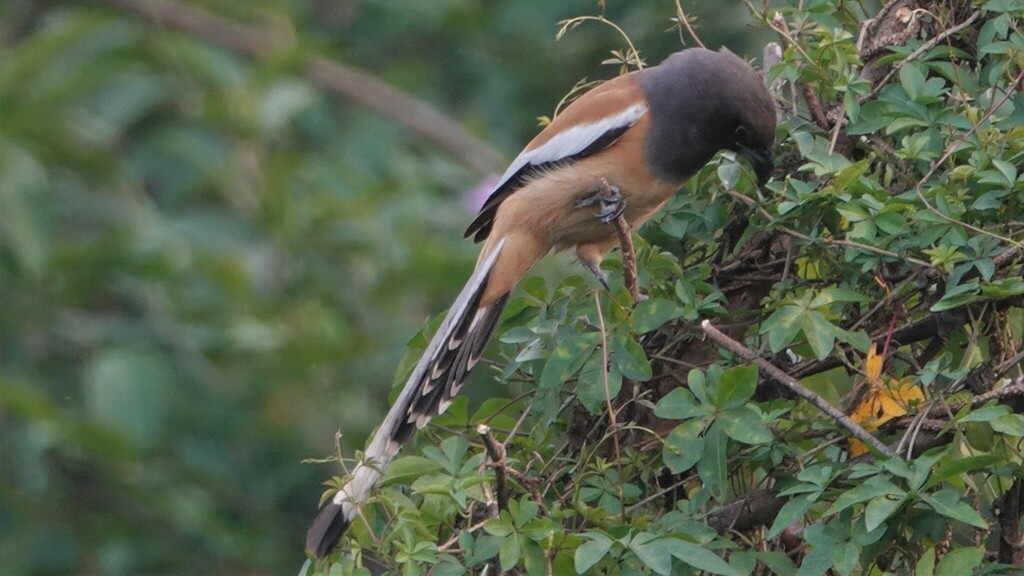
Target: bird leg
[
  {"x": 598, "y": 273},
  {"x": 590, "y": 256},
  {"x": 610, "y": 200},
  {"x": 613, "y": 206}
]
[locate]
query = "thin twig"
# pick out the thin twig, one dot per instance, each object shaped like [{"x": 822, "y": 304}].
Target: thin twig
[
  {"x": 933, "y": 42},
  {"x": 684, "y": 22},
  {"x": 1015, "y": 388},
  {"x": 446, "y": 547},
  {"x": 788, "y": 381},
  {"x": 854, "y": 244},
  {"x": 825, "y": 239},
  {"x": 608, "y": 402},
  {"x": 815, "y": 107},
  {"x": 569, "y": 24},
  {"x": 496, "y": 452},
  {"x": 651, "y": 498},
  {"x": 1005, "y": 367},
  {"x": 950, "y": 150}
]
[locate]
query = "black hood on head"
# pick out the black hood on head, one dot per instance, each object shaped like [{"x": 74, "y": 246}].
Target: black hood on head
[{"x": 702, "y": 102}]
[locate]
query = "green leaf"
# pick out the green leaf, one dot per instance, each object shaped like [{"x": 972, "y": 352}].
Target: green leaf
[
  {"x": 454, "y": 450},
  {"x": 912, "y": 78},
  {"x": 960, "y": 562},
  {"x": 957, "y": 296},
  {"x": 1004, "y": 6},
  {"x": 1009, "y": 424},
  {"x": 679, "y": 404},
  {"x": 653, "y": 551},
  {"x": 523, "y": 511},
  {"x": 697, "y": 383},
  {"x": 406, "y": 469},
  {"x": 629, "y": 357},
  {"x": 493, "y": 411},
  {"x": 861, "y": 341},
  {"x": 700, "y": 557},
  {"x": 485, "y": 549},
  {"x": 745, "y": 425},
  {"x": 591, "y": 552},
  {"x": 962, "y": 466},
  {"x": 735, "y": 387},
  {"x": 729, "y": 174},
  {"x": 536, "y": 286},
  {"x": 816, "y": 562},
  {"x": 831, "y": 296},
  {"x": 782, "y": 326},
  {"x": 880, "y": 509},
  {"x": 555, "y": 370},
  {"x": 791, "y": 512},
  {"x": 845, "y": 557},
  {"x": 926, "y": 563},
  {"x": 448, "y": 567},
  {"x": 820, "y": 333},
  {"x": 539, "y": 529},
  {"x": 986, "y": 414},
  {"x": 712, "y": 465},
  {"x": 778, "y": 563},
  {"x": 508, "y": 555},
  {"x": 652, "y": 313},
  {"x": 501, "y": 526},
  {"x": 850, "y": 174},
  {"x": 874, "y": 487},
  {"x": 590, "y": 388},
  {"x": 948, "y": 503},
  {"x": 566, "y": 359},
  {"x": 683, "y": 446}
]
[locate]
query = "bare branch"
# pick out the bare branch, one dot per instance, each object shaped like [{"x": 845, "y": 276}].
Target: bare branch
[
  {"x": 785, "y": 379},
  {"x": 334, "y": 77},
  {"x": 759, "y": 508},
  {"x": 1011, "y": 538},
  {"x": 933, "y": 42},
  {"x": 496, "y": 452}
]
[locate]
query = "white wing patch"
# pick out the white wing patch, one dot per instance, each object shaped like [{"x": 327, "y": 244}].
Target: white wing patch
[{"x": 572, "y": 141}]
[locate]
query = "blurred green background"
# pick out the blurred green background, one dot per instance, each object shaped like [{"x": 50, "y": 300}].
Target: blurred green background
[{"x": 208, "y": 265}]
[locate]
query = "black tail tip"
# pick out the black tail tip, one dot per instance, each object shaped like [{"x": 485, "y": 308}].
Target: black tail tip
[{"x": 325, "y": 531}]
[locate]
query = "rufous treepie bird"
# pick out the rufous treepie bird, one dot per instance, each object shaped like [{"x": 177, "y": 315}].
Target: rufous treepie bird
[{"x": 621, "y": 149}]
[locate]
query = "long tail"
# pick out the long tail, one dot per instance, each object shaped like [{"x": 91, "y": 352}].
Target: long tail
[{"x": 437, "y": 378}]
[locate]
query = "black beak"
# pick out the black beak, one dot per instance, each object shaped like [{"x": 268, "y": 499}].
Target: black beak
[{"x": 761, "y": 162}]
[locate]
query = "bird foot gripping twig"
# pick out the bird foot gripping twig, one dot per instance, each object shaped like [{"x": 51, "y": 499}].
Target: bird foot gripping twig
[
  {"x": 608, "y": 198},
  {"x": 613, "y": 208}
]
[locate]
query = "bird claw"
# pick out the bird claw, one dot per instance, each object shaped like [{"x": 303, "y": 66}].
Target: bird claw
[
  {"x": 609, "y": 198},
  {"x": 595, "y": 269}
]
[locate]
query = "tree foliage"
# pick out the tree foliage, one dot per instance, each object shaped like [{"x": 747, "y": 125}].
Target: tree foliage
[
  {"x": 882, "y": 268},
  {"x": 210, "y": 262},
  {"x": 208, "y": 265}
]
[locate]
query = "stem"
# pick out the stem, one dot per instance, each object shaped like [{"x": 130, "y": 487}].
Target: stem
[
  {"x": 496, "y": 452},
  {"x": 788, "y": 381}
]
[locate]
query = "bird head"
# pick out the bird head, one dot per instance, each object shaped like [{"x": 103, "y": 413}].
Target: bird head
[{"x": 702, "y": 102}]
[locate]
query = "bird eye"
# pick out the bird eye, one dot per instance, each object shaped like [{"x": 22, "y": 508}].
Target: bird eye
[{"x": 742, "y": 135}]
